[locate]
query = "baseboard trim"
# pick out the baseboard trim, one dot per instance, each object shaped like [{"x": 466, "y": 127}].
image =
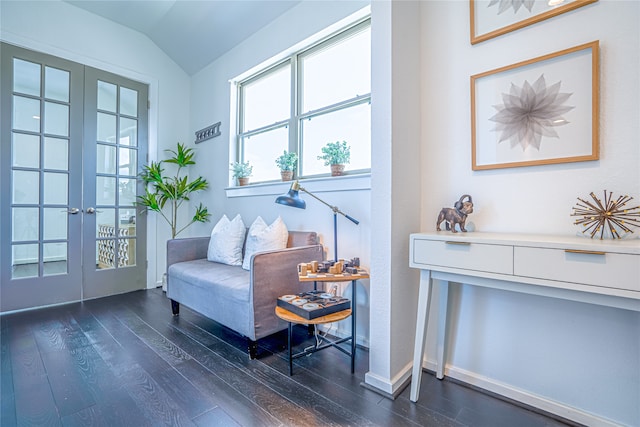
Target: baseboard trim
[{"x": 548, "y": 406}]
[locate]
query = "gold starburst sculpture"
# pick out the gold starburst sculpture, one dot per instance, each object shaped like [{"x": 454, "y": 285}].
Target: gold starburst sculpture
[{"x": 612, "y": 216}]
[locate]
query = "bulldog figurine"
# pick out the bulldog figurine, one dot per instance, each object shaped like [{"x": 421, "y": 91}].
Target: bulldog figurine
[{"x": 456, "y": 215}]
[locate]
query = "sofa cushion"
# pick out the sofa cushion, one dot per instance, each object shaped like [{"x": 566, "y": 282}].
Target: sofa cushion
[
  {"x": 221, "y": 279},
  {"x": 227, "y": 239},
  {"x": 263, "y": 237}
]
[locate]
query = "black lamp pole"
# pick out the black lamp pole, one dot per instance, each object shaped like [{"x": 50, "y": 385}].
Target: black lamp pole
[{"x": 293, "y": 200}]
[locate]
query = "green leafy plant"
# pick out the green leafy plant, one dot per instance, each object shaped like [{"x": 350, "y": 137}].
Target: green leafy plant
[
  {"x": 336, "y": 153},
  {"x": 172, "y": 191},
  {"x": 241, "y": 169},
  {"x": 287, "y": 162}
]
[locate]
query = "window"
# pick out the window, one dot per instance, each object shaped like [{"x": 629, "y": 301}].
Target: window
[{"x": 318, "y": 95}]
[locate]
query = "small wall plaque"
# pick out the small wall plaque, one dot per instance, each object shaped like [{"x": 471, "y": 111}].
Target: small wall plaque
[{"x": 208, "y": 132}]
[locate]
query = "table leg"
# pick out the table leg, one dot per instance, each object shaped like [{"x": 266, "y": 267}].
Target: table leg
[
  {"x": 290, "y": 352},
  {"x": 353, "y": 326},
  {"x": 424, "y": 297},
  {"x": 442, "y": 328}
]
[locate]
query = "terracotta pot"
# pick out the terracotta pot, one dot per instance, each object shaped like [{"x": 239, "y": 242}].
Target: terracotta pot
[
  {"x": 337, "y": 170},
  {"x": 243, "y": 181},
  {"x": 286, "y": 175}
]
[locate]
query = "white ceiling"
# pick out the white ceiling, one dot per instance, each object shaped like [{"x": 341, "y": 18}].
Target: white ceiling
[{"x": 192, "y": 32}]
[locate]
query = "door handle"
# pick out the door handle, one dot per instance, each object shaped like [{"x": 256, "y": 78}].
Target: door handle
[
  {"x": 92, "y": 210},
  {"x": 72, "y": 211}
]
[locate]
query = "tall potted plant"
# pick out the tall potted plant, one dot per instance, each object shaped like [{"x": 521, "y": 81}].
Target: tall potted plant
[
  {"x": 287, "y": 164},
  {"x": 336, "y": 154},
  {"x": 171, "y": 191}
]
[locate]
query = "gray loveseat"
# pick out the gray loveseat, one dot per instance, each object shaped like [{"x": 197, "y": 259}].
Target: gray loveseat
[{"x": 241, "y": 300}]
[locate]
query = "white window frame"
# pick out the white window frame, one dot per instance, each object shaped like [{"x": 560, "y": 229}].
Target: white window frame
[{"x": 292, "y": 59}]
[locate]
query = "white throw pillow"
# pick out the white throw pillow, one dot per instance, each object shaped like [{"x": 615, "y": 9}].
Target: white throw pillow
[
  {"x": 227, "y": 238},
  {"x": 263, "y": 237}
]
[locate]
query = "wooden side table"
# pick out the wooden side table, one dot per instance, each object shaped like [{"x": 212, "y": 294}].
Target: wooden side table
[
  {"x": 293, "y": 318},
  {"x": 342, "y": 277}
]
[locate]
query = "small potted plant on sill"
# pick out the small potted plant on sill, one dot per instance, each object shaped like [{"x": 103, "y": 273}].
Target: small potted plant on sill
[
  {"x": 336, "y": 154},
  {"x": 287, "y": 164},
  {"x": 242, "y": 171}
]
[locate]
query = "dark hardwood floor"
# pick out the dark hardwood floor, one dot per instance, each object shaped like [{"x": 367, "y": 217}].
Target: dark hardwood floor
[{"x": 125, "y": 361}]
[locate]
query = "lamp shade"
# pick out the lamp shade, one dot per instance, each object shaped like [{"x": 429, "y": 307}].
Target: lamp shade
[{"x": 292, "y": 199}]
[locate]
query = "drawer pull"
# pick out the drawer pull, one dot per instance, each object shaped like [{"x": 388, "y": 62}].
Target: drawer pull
[
  {"x": 578, "y": 251},
  {"x": 449, "y": 242}
]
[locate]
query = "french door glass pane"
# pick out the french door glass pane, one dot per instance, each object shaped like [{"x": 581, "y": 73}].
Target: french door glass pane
[
  {"x": 55, "y": 224},
  {"x": 262, "y": 149},
  {"x": 26, "y": 114},
  {"x": 128, "y": 216},
  {"x": 105, "y": 191},
  {"x": 55, "y": 258},
  {"x": 105, "y": 217},
  {"x": 128, "y": 132},
  {"x": 56, "y": 188},
  {"x": 106, "y": 128},
  {"x": 26, "y": 77},
  {"x": 337, "y": 73},
  {"x": 56, "y": 119},
  {"x": 25, "y": 151},
  {"x": 127, "y": 191},
  {"x": 24, "y": 261},
  {"x": 25, "y": 225},
  {"x": 106, "y": 161},
  {"x": 127, "y": 162},
  {"x": 350, "y": 124},
  {"x": 107, "y": 94},
  {"x": 56, "y": 153},
  {"x": 56, "y": 84},
  {"x": 128, "y": 102},
  {"x": 26, "y": 187},
  {"x": 267, "y": 100}
]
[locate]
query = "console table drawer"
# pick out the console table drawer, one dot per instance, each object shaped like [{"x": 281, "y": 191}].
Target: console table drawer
[
  {"x": 463, "y": 255},
  {"x": 610, "y": 270}
]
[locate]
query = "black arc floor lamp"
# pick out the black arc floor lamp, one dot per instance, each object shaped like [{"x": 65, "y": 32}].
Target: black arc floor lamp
[{"x": 292, "y": 199}]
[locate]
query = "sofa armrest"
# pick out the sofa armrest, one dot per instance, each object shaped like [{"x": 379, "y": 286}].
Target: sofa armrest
[
  {"x": 275, "y": 273},
  {"x": 186, "y": 249}
]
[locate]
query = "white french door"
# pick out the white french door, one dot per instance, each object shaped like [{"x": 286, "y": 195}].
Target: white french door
[{"x": 72, "y": 140}]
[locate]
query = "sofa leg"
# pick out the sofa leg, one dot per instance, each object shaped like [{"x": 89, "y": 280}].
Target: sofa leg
[
  {"x": 253, "y": 349},
  {"x": 175, "y": 307}
]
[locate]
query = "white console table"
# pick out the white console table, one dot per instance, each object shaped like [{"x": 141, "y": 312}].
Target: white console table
[{"x": 602, "y": 272}]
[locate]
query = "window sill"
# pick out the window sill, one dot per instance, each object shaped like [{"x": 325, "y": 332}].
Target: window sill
[{"x": 315, "y": 185}]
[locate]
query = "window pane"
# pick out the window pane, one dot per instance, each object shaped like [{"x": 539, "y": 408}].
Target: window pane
[
  {"x": 262, "y": 150},
  {"x": 56, "y": 84},
  {"x": 55, "y": 258},
  {"x": 56, "y": 188},
  {"x": 26, "y": 114},
  {"x": 26, "y": 224},
  {"x": 56, "y": 153},
  {"x": 26, "y": 150},
  {"x": 127, "y": 161},
  {"x": 106, "y": 159},
  {"x": 267, "y": 100},
  {"x": 24, "y": 261},
  {"x": 106, "y": 96},
  {"x": 26, "y": 77},
  {"x": 56, "y": 119},
  {"x": 339, "y": 72},
  {"x": 55, "y": 224},
  {"x": 128, "y": 102},
  {"x": 106, "y": 128},
  {"x": 351, "y": 124},
  {"x": 128, "y": 131},
  {"x": 26, "y": 187}
]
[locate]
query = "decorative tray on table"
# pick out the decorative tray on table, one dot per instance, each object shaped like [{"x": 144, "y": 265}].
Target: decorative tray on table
[{"x": 313, "y": 304}]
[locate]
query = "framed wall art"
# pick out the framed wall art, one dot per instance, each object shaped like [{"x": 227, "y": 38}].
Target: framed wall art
[
  {"x": 492, "y": 18},
  {"x": 540, "y": 111}
]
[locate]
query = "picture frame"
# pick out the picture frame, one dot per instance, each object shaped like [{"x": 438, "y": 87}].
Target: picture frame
[
  {"x": 493, "y": 18},
  {"x": 536, "y": 112}
]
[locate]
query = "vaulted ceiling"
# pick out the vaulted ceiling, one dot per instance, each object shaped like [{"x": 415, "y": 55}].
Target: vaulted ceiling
[{"x": 192, "y": 32}]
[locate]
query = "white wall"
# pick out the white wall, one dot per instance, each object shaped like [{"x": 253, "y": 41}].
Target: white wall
[
  {"x": 63, "y": 30},
  {"x": 210, "y": 103},
  {"x": 582, "y": 357}
]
